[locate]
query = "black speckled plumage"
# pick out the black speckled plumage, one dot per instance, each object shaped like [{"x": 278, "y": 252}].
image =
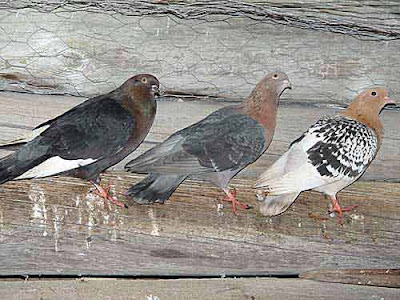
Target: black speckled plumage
[
  {"x": 331, "y": 155},
  {"x": 343, "y": 146}
]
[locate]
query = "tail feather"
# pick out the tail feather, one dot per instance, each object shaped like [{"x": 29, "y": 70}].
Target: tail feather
[
  {"x": 275, "y": 205},
  {"x": 274, "y": 171},
  {"x": 7, "y": 169},
  {"x": 17, "y": 163},
  {"x": 155, "y": 188}
]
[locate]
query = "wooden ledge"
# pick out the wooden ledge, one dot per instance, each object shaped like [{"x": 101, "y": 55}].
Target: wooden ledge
[{"x": 56, "y": 226}]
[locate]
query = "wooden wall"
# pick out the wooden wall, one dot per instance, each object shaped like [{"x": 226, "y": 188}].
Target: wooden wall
[
  {"x": 214, "y": 48},
  {"x": 205, "y": 50}
]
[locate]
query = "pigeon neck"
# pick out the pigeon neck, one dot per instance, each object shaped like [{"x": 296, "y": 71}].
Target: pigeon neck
[
  {"x": 139, "y": 103},
  {"x": 370, "y": 119},
  {"x": 262, "y": 106}
]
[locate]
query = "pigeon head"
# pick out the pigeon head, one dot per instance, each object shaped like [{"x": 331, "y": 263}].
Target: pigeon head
[
  {"x": 367, "y": 106},
  {"x": 268, "y": 91},
  {"x": 277, "y": 82},
  {"x": 371, "y": 101},
  {"x": 142, "y": 87}
]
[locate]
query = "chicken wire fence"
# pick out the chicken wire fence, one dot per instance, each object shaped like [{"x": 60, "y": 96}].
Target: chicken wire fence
[{"x": 199, "y": 48}]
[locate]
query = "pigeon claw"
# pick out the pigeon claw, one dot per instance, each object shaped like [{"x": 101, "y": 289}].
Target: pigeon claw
[
  {"x": 231, "y": 197},
  {"x": 340, "y": 210},
  {"x": 105, "y": 194}
]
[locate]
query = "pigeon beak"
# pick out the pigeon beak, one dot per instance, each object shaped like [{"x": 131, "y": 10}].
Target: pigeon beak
[
  {"x": 155, "y": 90},
  {"x": 287, "y": 84},
  {"x": 389, "y": 101}
]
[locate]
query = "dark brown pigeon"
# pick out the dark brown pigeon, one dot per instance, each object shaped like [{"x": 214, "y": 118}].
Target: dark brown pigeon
[
  {"x": 88, "y": 138},
  {"x": 332, "y": 154},
  {"x": 215, "y": 148}
]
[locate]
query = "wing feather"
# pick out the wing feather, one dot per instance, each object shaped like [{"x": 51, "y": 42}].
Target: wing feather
[{"x": 333, "y": 149}]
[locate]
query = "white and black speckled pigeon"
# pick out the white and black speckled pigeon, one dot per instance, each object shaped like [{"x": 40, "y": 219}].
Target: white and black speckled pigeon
[
  {"x": 330, "y": 155},
  {"x": 215, "y": 148},
  {"x": 89, "y": 138}
]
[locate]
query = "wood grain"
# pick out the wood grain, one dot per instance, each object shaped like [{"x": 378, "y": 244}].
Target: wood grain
[
  {"x": 218, "y": 49},
  {"x": 56, "y": 227},
  {"x": 21, "y": 112},
  {"x": 372, "y": 277},
  {"x": 190, "y": 289}
]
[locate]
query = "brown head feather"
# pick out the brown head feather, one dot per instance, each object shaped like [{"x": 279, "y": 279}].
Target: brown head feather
[
  {"x": 137, "y": 95},
  {"x": 366, "y": 108}
]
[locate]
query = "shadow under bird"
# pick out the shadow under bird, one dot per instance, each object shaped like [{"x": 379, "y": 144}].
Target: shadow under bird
[
  {"x": 216, "y": 148},
  {"x": 89, "y": 138},
  {"x": 330, "y": 155}
]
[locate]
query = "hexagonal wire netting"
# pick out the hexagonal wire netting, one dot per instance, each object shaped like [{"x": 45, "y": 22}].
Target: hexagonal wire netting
[{"x": 200, "y": 49}]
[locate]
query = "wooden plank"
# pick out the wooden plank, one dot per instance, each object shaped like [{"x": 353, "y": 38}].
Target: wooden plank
[
  {"x": 20, "y": 112},
  {"x": 56, "y": 227},
  {"x": 373, "y": 277},
  {"x": 346, "y": 17},
  {"x": 209, "y": 48},
  {"x": 189, "y": 289}
]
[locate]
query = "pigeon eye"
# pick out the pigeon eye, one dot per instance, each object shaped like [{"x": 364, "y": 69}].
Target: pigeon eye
[
  {"x": 373, "y": 93},
  {"x": 144, "y": 80},
  {"x": 275, "y": 76}
]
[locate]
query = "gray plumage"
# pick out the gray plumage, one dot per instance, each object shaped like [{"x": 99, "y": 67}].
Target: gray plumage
[{"x": 215, "y": 148}]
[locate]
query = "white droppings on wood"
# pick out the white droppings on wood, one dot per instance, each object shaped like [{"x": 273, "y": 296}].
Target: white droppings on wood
[
  {"x": 106, "y": 218},
  {"x": 91, "y": 199},
  {"x": 77, "y": 203},
  {"x": 155, "y": 230},
  {"x": 57, "y": 219},
  {"x": 39, "y": 210},
  {"x": 356, "y": 217},
  {"x": 1, "y": 219},
  {"x": 220, "y": 208}
]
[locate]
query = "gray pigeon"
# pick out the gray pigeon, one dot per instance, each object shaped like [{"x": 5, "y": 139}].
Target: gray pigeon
[{"x": 215, "y": 148}]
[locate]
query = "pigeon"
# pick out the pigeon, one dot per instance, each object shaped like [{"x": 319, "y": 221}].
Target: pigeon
[
  {"x": 89, "y": 138},
  {"x": 216, "y": 148},
  {"x": 329, "y": 156}
]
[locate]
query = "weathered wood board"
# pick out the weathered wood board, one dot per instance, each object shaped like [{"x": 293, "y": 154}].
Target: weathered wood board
[
  {"x": 189, "y": 289},
  {"x": 56, "y": 227},
  {"x": 372, "y": 277},
  {"x": 216, "y": 48},
  {"x": 21, "y": 112}
]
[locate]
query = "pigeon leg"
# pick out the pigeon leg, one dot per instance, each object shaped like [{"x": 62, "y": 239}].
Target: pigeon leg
[
  {"x": 105, "y": 194},
  {"x": 231, "y": 197},
  {"x": 339, "y": 210}
]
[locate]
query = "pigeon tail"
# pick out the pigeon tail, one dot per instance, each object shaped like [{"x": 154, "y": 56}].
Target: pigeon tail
[
  {"x": 155, "y": 188},
  {"x": 275, "y": 205},
  {"x": 7, "y": 169}
]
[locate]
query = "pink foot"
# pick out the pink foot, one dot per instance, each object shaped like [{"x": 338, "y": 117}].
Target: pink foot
[
  {"x": 231, "y": 197},
  {"x": 105, "y": 194},
  {"x": 339, "y": 210}
]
